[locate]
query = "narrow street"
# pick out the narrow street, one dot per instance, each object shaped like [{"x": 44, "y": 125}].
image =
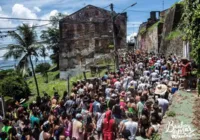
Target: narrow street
[{"x": 99, "y": 69}]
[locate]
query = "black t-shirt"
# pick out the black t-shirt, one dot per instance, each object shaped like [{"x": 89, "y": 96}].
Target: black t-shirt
[{"x": 117, "y": 111}]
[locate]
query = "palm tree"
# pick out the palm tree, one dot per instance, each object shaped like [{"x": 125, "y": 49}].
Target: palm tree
[
  {"x": 43, "y": 52},
  {"x": 24, "y": 49}
]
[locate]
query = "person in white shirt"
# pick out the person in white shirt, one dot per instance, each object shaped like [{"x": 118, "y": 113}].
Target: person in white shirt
[
  {"x": 142, "y": 86},
  {"x": 164, "y": 104},
  {"x": 154, "y": 77},
  {"x": 146, "y": 72},
  {"x": 131, "y": 125},
  {"x": 117, "y": 84},
  {"x": 107, "y": 91},
  {"x": 154, "y": 127},
  {"x": 165, "y": 72},
  {"x": 157, "y": 65},
  {"x": 133, "y": 82},
  {"x": 140, "y": 65},
  {"x": 132, "y": 73}
]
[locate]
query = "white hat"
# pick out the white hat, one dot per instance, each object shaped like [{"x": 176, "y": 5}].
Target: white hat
[
  {"x": 22, "y": 100},
  {"x": 161, "y": 89},
  {"x": 128, "y": 92},
  {"x": 114, "y": 95}
]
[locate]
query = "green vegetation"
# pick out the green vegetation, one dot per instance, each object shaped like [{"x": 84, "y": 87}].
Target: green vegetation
[
  {"x": 191, "y": 29},
  {"x": 58, "y": 84},
  {"x": 154, "y": 25},
  {"x": 13, "y": 85},
  {"x": 156, "y": 136},
  {"x": 111, "y": 46},
  {"x": 25, "y": 48},
  {"x": 171, "y": 114},
  {"x": 180, "y": 3},
  {"x": 151, "y": 28},
  {"x": 142, "y": 31},
  {"x": 43, "y": 69},
  {"x": 51, "y": 37},
  {"x": 174, "y": 34}
]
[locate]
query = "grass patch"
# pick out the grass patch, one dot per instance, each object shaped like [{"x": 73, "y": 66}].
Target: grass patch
[
  {"x": 142, "y": 31},
  {"x": 171, "y": 114},
  {"x": 154, "y": 26},
  {"x": 151, "y": 28},
  {"x": 173, "y": 35},
  {"x": 156, "y": 136},
  {"x": 58, "y": 84},
  {"x": 55, "y": 82}
]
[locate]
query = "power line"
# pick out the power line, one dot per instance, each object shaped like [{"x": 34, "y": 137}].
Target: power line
[
  {"x": 6, "y": 35},
  {"x": 139, "y": 11},
  {"x": 12, "y": 18},
  {"x": 35, "y": 26},
  {"x": 135, "y": 10},
  {"x": 106, "y": 6}
]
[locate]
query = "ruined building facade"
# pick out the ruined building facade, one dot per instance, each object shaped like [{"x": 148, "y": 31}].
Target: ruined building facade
[
  {"x": 160, "y": 35},
  {"x": 87, "y": 32}
]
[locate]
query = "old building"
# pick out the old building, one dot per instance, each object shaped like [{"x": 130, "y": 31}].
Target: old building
[
  {"x": 162, "y": 35},
  {"x": 87, "y": 32},
  {"x": 148, "y": 37}
]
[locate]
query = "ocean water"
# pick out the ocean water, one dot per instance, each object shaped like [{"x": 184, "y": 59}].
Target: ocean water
[{"x": 10, "y": 64}]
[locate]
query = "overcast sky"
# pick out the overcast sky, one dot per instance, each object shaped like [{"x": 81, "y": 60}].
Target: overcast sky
[{"x": 43, "y": 9}]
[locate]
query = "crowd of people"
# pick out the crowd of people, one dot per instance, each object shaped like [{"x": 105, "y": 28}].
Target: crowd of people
[{"x": 124, "y": 104}]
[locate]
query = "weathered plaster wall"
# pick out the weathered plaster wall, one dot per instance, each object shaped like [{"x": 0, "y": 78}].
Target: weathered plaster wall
[
  {"x": 154, "y": 40},
  {"x": 86, "y": 32},
  {"x": 149, "y": 40},
  {"x": 174, "y": 46}
]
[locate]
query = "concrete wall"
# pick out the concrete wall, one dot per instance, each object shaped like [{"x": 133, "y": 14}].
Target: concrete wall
[
  {"x": 149, "y": 40},
  {"x": 71, "y": 73},
  {"x": 156, "y": 39},
  {"x": 174, "y": 46},
  {"x": 86, "y": 32}
]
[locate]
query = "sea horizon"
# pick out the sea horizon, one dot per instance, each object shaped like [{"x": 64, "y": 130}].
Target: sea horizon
[{"x": 10, "y": 64}]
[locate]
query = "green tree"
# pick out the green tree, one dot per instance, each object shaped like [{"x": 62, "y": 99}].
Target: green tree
[
  {"x": 13, "y": 84},
  {"x": 43, "y": 52},
  {"x": 43, "y": 68},
  {"x": 51, "y": 37},
  {"x": 24, "y": 49},
  {"x": 191, "y": 29}
]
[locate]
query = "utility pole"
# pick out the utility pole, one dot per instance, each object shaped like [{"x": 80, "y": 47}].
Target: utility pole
[
  {"x": 163, "y": 4},
  {"x": 3, "y": 106},
  {"x": 114, "y": 16},
  {"x": 114, "y": 38},
  {"x": 68, "y": 84}
]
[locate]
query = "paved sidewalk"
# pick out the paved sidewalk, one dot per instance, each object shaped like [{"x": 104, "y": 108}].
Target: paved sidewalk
[{"x": 182, "y": 105}]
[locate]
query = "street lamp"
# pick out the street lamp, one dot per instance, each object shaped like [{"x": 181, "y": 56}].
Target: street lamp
[{"x": 114, "y": 32}]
